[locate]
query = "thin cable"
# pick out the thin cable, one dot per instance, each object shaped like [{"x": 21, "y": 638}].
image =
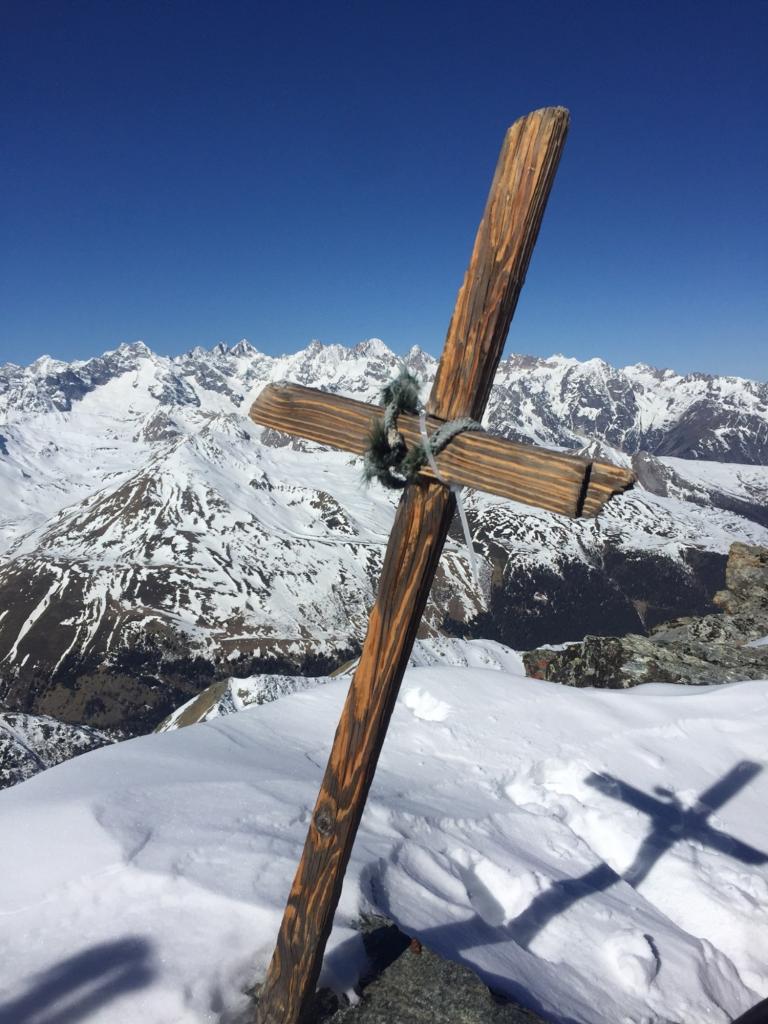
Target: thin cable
[{"x": 456, "y": 493}]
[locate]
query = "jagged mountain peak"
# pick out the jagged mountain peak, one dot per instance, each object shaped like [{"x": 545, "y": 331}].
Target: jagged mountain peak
[
  {"x": 44, "y": 364},
  {"x": 638, "y": 369},
  {"x": 558, "y": 400},
  {"x": 243, "y": 348},
  {"x": 138, "y": 347},
  {"x": 373, "y": 347}
]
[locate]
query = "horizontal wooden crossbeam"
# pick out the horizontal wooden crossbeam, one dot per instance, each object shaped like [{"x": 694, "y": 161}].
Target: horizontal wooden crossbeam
[{"x": 568, "y": 484}]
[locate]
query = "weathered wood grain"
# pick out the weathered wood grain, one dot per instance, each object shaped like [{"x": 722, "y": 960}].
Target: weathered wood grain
[
  {"x": 568, "y": 484},
  {"x": 484, "y": 308}
]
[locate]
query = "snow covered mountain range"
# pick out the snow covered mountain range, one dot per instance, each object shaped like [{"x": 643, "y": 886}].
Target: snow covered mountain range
[{"x": 154, "y": 540}]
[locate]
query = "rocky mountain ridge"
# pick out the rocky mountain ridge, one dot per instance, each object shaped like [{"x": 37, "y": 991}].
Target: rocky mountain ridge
[{"x": 556, "y": 401}]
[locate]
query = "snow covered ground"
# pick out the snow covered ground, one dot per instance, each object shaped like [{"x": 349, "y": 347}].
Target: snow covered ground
[{"x": 599, "y": 855}]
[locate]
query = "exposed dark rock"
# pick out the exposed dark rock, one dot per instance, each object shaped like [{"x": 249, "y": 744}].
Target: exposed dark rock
[
  {"x": 409, "y": 984},
  {"x": 746, "y": 583},
  {"x": 708, "y": 649},
  {"x": 135, "y": 687},
  {"x": 421, "y": 987},
  {"x": 705, "y": 431}
]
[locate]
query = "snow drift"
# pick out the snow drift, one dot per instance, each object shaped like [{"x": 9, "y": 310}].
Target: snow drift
[{"x": 601, "y": 856}]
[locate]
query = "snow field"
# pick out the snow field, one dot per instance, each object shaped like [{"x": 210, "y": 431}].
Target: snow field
[{"x": 601, "y": 856}]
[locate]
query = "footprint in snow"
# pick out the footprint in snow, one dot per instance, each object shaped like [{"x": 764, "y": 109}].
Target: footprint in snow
[
  {"x": 423, "y": 705},
  {"x": 633, "y": 960},
  {"x": 496, "y": 895}
]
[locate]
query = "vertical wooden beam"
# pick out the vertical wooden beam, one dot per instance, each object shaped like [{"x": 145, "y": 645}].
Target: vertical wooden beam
[
  {"x": 494, "y": 279},
  {"x": 476, "y": 336}
]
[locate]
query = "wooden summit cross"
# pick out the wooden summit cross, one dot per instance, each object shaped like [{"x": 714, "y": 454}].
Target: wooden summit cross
[{"x": 561, "y": 483}]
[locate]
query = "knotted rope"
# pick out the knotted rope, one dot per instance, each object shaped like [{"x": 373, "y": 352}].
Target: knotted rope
[{"x": 393, "y": 464}]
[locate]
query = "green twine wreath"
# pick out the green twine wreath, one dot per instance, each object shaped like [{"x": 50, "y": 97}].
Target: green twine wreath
[{"x": 387, "y": 458}]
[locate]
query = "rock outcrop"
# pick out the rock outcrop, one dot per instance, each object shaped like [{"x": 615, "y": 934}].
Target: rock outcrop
[
  {"x": 406, "y": 983},
  {"x": 719, "y": 648},
  {"x": 421, "y": 986}
]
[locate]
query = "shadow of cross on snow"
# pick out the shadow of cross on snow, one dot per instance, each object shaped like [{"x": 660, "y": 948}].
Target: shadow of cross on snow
[{"x": 671, "y": 823}]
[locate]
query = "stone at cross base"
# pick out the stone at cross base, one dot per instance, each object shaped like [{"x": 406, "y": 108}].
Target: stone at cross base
[{"x": 551, "y": 480}]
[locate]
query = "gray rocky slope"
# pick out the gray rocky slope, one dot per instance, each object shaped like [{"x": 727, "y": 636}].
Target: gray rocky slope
[{"x": 154, "y": 541}]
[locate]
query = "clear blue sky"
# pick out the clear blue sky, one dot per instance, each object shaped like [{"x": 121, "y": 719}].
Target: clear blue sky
[{"x": 189, "y": 172}]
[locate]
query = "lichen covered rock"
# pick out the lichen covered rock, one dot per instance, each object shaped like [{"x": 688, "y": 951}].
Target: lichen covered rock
[{"x": 706, "y": 649}]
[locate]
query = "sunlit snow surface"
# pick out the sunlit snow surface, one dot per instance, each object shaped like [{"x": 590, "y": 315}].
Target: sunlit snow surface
[{"x": 599, "y": 855}]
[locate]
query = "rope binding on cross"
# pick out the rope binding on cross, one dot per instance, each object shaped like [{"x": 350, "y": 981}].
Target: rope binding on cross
[{"x": 387, "y": 458}]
